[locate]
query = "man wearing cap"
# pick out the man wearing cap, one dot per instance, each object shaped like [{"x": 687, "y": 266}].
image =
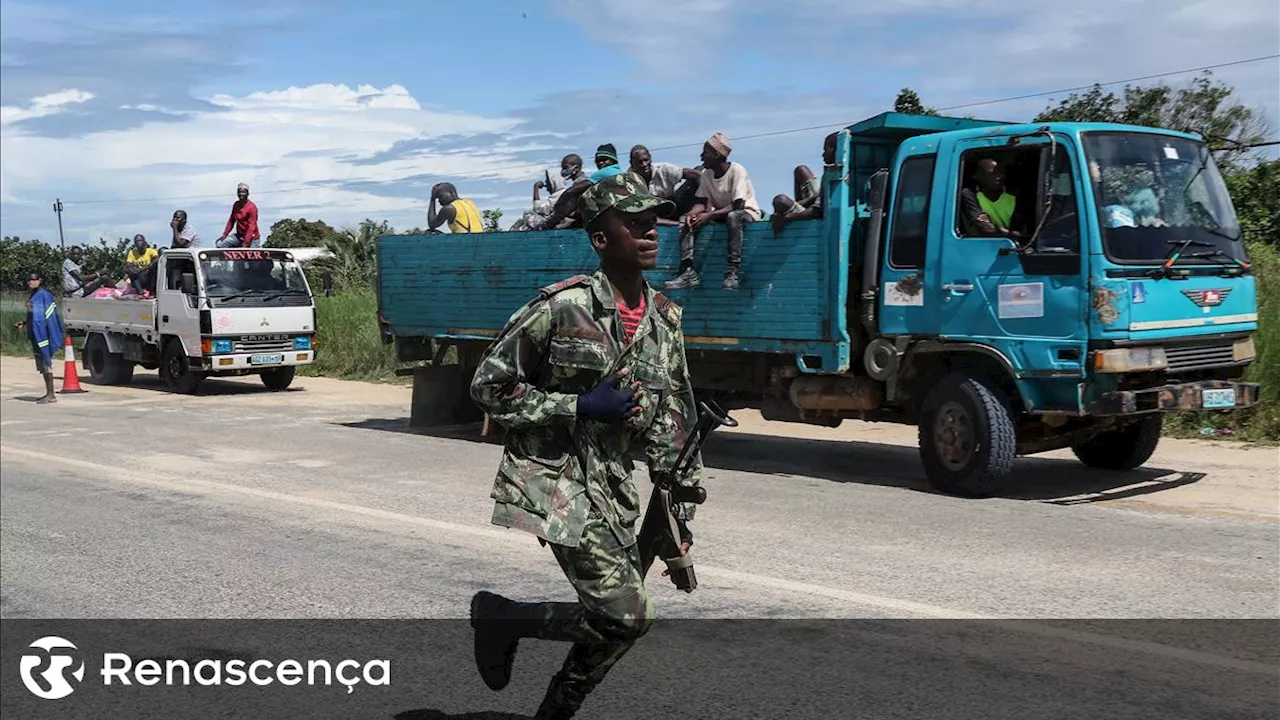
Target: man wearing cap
[
  {"x": 725, "y": 194},
  {"x": 244, "y": 218},
  {"x": 606, "y": 163},
  {"x": 592, "y": 365}
]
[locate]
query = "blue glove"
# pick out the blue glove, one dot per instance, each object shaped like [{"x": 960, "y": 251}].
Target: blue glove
[{"x": 608, "y": 402}]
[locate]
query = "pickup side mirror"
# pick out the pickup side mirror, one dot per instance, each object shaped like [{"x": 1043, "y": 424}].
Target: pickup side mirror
[{"x": 188, "y": 283}]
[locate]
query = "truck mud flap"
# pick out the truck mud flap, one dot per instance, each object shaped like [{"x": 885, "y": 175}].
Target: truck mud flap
[{"x": 1179, "y": 397}]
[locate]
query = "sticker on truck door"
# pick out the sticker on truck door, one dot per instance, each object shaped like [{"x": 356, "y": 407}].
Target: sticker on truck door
[
  {"x": 1022, "y": 300},
  {"x": 907, "y": 296}
]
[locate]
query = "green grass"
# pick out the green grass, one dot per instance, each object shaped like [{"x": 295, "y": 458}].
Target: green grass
[{"x": 349, "y": 346}]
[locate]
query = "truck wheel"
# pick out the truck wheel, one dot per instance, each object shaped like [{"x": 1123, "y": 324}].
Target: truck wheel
[
  {"x": 967, "y": 441},
  {"x": 279, "y": 378},
  {"x": 176, "y": 370},
  {"x": 1122, "y": 449},
  {"x": 104, "y": 366}
]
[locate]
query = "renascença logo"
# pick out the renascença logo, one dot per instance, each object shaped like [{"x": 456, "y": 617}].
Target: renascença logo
[{"x": 51, "y": 668}]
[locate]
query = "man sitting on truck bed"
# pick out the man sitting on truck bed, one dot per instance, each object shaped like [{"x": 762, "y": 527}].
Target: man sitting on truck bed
[
  {"x": 184, "y": 233},
  {"x": 461, "y": 213},
  {"x": 75, "y": 281},
  {"x": 808, "y": 200},
  {"x": 570, "y": 174},
  {"x": 140, "y": 266},
  {"x": 725, "y": 193},
  {"x": 667, "y": 181}
]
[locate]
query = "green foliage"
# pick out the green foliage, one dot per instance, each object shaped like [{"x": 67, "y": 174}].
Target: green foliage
[
  {"x": 1203, "y": 106},
  {"x": 290, "y": 233},
  {"x": 19, "y": 257},
  {"x": 1255, "y": 192},
  {"x": 491, "y": 218},
  {"x": 353, "y": 259},
  {"x": 349, "y": 344},
  {"x": 106, "y": 258},
  {"x": 908, "y": 102}
]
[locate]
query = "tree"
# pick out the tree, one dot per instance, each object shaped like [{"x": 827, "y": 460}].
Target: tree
[
  {"x": 290, "y": 233},
  {"x": 1254, "y": 193},
  {"x": 908, "y": 102},
  {"x": 1203, "y": 106},
  {"x": 353, "y": 259},
  {"x": 491, "y": 218},
  {"x": 19, "y": 257}
]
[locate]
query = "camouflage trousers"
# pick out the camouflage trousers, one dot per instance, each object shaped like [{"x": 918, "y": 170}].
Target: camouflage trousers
[{"x": 613, "y": 609}]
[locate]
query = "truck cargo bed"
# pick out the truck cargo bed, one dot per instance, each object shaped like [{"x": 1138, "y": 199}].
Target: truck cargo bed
[{"x": 467, "y": 286}]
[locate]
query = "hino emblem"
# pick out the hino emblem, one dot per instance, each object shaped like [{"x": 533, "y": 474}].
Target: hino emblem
[{"x": 1207, "y": 298}]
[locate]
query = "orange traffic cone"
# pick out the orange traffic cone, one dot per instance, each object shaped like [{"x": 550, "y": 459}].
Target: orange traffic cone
[{"x": 70, "y": 380}]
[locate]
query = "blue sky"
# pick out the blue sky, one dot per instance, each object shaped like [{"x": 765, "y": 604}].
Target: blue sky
[{"x": 348, "y": 110}]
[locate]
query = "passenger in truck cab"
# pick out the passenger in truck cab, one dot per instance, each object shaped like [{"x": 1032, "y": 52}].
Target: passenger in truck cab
[
  {"x": 807, "y": 203},
  {"x": 987, "y": 209},
  {"x": 461, "y": 213}
]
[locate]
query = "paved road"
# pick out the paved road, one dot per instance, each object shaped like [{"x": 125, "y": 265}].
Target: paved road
[{"x": 319, "y": 503}]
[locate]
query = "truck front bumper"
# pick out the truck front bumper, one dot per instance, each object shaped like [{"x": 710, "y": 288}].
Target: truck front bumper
[
  {"x": 1180, "y": 397},
  {"x": 258, "y": 361}
]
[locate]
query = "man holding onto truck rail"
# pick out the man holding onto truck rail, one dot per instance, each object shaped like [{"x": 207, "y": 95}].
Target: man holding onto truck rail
[
  {"x": 725, "y": 194},
  {"x": 559, "y": 379},
  {"x": 244, "y": 220},
  {"x": 44, "y": 330},
  {"x": 667, "y": 181},
  {"x": 807, "y": 203}
]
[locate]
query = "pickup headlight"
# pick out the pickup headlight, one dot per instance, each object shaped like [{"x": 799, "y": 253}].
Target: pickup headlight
[
  {"x": 1126, "y": 360},
  {"x": 1242, "y": 350},
  {"x": 302, "y": 342},
  {"x": 222, "y": 345}
]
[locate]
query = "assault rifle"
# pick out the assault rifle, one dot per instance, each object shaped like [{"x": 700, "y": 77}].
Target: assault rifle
[{"x": 659, "y": 534}]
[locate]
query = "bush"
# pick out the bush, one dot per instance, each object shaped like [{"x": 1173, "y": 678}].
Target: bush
[{"x": 349, "y": 344}]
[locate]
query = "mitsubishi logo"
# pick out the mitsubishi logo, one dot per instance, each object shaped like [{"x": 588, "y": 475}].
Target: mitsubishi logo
[
  {"x": 1207, "y": 298},
  {"x": 264, "y": 323}
]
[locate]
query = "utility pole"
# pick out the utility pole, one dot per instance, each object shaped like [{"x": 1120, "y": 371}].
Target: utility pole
[{"x": 57, "y": 207}]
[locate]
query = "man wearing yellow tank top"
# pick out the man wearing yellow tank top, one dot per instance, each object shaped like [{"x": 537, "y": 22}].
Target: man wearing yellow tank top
[{"x": 461, "y": 213}]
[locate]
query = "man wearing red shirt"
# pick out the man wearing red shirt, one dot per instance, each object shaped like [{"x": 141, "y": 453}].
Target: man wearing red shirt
[{"x": 244, "y": 218}]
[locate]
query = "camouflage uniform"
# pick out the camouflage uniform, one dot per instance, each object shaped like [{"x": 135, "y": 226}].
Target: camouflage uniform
[{"x": 568, "y": 480}]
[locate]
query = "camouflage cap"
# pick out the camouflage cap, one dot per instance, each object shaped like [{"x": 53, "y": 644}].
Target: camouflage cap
[{"x": 624, "y": 191}]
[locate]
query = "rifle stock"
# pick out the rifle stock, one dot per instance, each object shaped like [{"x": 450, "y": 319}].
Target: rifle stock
[{"x": 659, "y": 535}]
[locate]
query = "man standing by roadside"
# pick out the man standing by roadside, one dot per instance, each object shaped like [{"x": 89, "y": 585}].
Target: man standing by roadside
[
  {"x": 244, "y": 218},
  {"x": 725, "y": 194},
  {"x": 44, "y": 330},
  {"x": 571, "y": 418},
  {"x": 184, "y": 234}
]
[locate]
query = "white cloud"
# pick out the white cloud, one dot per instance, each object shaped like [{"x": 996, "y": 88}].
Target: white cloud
[
  {"x": 276, "y": 141},
  {"x": 44, "y": 105}
]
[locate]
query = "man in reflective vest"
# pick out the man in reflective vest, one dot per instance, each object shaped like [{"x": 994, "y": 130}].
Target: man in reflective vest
[
  {"x": 990, "y": 211},
  {"x": 44, "y": 330}
]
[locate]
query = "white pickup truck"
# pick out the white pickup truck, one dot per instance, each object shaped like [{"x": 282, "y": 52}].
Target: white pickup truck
[{"x": 216, "y": 312}]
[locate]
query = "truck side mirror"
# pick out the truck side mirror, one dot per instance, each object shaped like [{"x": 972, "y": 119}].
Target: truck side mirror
[
  {"x": 876, "y": 187},
  {"x": 188, "y": 283}
]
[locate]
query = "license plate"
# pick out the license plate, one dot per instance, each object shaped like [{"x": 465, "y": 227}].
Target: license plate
[
  {"x": 268, "y": 360},
  {"x": 1218, "y": 398}
]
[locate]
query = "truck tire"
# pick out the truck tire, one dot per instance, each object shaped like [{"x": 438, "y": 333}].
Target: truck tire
[
  {"x": 967, "y": 440},
  {"x": 104, "y": 366},
  {"x": 279, "y": 378},
  {"x": 1122, "y": 449},
  {"x": 176, "y": 371}
]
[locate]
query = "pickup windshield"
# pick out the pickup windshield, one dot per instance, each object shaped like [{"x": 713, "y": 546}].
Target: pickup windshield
[
  {"x": 249, "y": 277},
  {"x": 1157, "y": 193}
]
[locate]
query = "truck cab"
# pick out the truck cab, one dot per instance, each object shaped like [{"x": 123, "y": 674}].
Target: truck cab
[
  {"x": 1122, "y": 291},
  {"x": 216, "y": 312}
]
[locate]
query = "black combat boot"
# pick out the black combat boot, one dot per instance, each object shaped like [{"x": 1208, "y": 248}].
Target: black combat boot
[{"x": 495, "y": 639}]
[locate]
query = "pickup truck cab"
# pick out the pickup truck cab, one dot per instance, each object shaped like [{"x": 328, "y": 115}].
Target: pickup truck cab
[
  {"x": 216, "y": 313},
  {"x": 1122, "y": 294}
]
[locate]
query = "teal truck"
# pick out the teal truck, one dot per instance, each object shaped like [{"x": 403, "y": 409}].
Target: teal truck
[{"x": 1122, "y": 293}]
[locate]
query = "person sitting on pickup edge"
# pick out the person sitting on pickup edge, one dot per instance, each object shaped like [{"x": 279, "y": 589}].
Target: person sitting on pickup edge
[
  {"x": 461, "y": 213},
  {"x": 725, "y": 193},
  {"x": 184, "y": 233},
  {"x": 570, "y": 174},
  {"x": 75, "y": 281},
  {"x": 808, "y": 200},
  {"x": 667, "y": 181},
  {"x": 606, "y": 163},
  {"x": 140, "y": 266},
  {"x": 989, "y": 211},
  {"x": 566, "y": 207}
]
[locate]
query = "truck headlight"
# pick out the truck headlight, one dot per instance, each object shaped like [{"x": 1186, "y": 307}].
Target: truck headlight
[
  {"x": 1125, "y": 360},
  {"x": 302, "y": 342},
  {"x": 1242, "y": 350},
  {"x": 222, "y": 345}
]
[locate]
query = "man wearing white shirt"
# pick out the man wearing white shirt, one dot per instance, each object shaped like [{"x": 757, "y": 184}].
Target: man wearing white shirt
[
  {"x": 184, "y": 234},
  {"x": 664, "y": 181},
  {"x": 725, "y": 194}
]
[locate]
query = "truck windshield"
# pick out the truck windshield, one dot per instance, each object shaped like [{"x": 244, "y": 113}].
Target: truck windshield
[
  {"x": 253, "y": 278},
  {"x": 1157, "y": 194}
]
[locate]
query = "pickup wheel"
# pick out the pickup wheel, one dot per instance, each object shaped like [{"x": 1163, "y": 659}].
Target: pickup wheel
[
  {"x": 104, "y": 366},
  {"x": 1122, "y": 449},
  {"x": 967, "y": 440},
  {"x": 279, "y": 378},
  {"x": 176, "y": 371}
]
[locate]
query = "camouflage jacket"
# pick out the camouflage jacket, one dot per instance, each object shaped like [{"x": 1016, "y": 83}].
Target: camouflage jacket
[{"x": 557, "y": 468}]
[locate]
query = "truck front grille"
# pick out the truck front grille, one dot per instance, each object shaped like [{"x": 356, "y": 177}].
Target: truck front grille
[
  {"x": 275, "y": 345},
  {"x": 1201, "y": 356}
]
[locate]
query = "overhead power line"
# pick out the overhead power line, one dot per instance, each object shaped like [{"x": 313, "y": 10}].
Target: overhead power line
[{"x": 754, "y": 136}]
